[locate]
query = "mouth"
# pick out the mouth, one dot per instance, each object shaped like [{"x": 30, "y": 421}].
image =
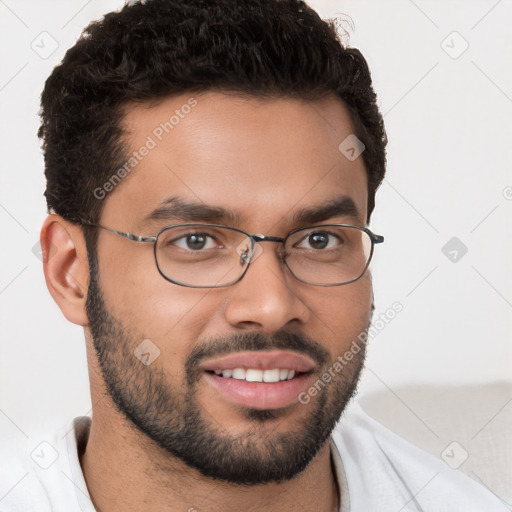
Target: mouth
[
  {"x": 255, "y": 375},
  {"x": 260, "y": 380}
]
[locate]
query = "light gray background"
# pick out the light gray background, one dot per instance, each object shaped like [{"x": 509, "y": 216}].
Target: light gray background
[{"x": 447, "y": 115}]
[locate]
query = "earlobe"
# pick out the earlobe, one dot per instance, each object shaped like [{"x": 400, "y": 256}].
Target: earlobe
[{"x": 66, "y": 268}]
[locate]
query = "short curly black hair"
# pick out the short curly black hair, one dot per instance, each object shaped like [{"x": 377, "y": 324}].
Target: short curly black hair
[{"x": 159, "y": 48}]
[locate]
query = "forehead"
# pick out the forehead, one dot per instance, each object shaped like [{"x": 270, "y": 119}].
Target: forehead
[{"x": 262, "y": 159}]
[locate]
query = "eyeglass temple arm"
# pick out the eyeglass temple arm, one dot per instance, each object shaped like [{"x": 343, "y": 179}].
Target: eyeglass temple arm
[
  {"x": 129, "y": 236},
  {"x": 377, "y": 239}
]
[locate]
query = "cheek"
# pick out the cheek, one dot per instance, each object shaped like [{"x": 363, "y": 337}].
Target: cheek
[
  {"x": 341, "y": 314},
  {"x": 150, "y": 307}
]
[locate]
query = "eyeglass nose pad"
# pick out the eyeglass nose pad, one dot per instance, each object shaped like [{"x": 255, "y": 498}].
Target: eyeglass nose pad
[
  {"x": 244, "y": 257},
  {"x": 248, "y": 251},
  {"x": 283, "y": 254},
  {"x": 244, "y": 251}
]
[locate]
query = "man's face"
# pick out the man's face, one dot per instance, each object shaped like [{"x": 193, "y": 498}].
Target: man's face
[{"x": 266, "y": 162}]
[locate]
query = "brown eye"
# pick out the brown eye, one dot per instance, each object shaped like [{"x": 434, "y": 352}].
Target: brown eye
[
  {"x": 194, "y": 242},
  {"x": 319, "y": 240}
]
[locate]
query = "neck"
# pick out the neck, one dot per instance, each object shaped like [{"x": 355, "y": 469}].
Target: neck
[{"x": 124, "y": 470}]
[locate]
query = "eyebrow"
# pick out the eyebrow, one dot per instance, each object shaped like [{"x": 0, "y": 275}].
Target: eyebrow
[
  {"x": 343, "y": 206},
  {"x": 178, "y": 209}
]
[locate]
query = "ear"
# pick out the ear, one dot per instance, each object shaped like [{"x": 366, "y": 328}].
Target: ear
[{"x": 65, "y": 266}]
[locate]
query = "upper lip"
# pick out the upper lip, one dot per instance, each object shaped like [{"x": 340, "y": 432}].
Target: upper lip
[{"x": 261, "y": 360}]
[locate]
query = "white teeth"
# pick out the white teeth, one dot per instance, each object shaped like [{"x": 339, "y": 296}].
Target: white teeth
[
  {"x": 271, "y": 375},
  {"x": 239, "y": 373},
  {"x": 254, "y": 375}
]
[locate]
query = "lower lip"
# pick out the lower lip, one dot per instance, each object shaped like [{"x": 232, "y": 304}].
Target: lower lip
[{"x": 260, "y": 395}]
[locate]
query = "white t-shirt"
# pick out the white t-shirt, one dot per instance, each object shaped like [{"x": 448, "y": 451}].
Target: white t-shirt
[{"x": 377, "y": 471}]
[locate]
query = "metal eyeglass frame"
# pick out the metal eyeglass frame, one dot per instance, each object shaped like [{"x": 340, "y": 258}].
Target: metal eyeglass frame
[{"x": 375, "y": 239}]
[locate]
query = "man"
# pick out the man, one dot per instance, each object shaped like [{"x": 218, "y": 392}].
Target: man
[{"x": 211, "y": 171}]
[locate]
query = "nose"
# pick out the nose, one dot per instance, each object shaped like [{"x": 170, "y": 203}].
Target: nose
[{"x": 267, "y": 297}]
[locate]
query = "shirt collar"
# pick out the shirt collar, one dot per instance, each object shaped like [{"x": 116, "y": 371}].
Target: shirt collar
[{"x": 341, "y": 478}]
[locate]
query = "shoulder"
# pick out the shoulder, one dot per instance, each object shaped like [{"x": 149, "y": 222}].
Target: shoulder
[
  {"x": 386, "y": 472},
  {"x": 41, "y": 471}
]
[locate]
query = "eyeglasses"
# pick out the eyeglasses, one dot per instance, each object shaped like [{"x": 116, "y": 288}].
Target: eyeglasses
[{"x": 212, "y": 255}]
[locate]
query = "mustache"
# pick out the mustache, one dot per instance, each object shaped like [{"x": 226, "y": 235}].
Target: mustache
[{"x": 254, "y": 341}]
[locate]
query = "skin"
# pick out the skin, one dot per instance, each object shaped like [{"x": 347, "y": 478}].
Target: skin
[{"x": 265, "y": 160}]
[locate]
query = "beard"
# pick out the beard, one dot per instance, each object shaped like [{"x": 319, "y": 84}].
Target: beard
[{"x": 167, "y": 411}]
